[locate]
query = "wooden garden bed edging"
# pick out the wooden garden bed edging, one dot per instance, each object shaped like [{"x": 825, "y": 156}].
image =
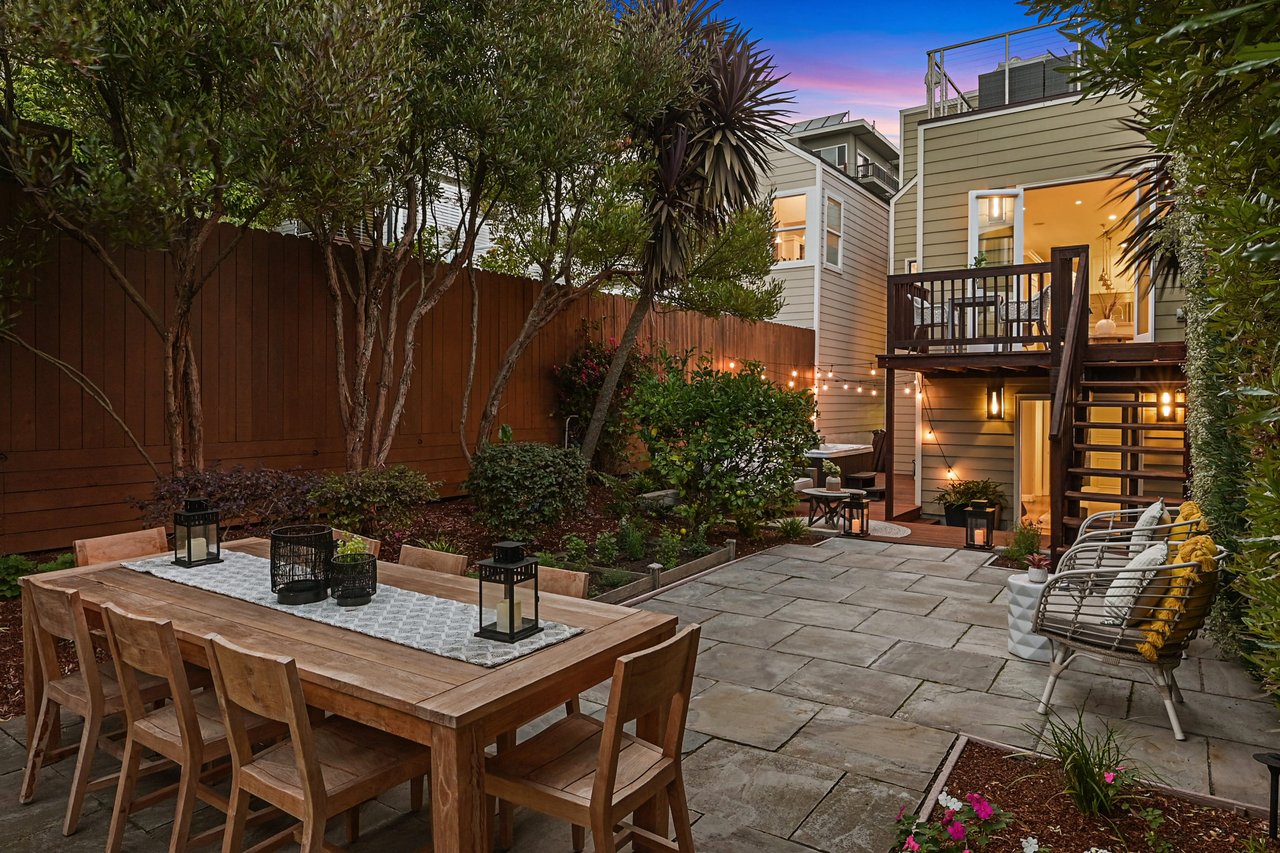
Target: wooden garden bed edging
[{"x": 657, "y": 580}]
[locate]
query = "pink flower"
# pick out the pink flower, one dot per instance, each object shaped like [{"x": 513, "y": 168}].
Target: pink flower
[
  {"x": 949, "y": 815},
  {"x": 911, "y": 843},
  {"x": 981, "y": 807},
  {"x": 956, "y": 830},
  {"x": 901, "y": 812},
  {"x": 1109, "y": 776}
]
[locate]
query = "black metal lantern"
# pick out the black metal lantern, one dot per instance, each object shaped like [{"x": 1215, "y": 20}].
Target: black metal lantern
[
  {"x": 508, "y": 594},
  {"x": 196, "y": 537},
  {"x": 353, "y": 579},
  {"x": 300, "y": 557},
  {"x": 980, "y": 526},
  {"x": 856, "y": 522}
]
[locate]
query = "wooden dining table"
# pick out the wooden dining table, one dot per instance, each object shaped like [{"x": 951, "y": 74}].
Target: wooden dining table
[{"x": 456, "y": 708}]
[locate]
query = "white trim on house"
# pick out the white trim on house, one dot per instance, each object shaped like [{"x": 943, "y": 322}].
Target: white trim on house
[{"x": 827, "y": 230}]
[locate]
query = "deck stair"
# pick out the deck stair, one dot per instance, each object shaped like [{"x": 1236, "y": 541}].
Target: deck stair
[{"x": 1127, "y": 444}]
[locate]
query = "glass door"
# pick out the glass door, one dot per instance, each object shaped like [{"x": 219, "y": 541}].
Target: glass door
[
  {"x": 995, "y": 227},
  {"x": 1032, "y": 468}
]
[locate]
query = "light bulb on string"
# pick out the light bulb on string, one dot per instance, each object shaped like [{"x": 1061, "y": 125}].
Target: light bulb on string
[
  {"x": 795, "y": 373},
  {"x": 732, "y": 365},
  {"x": 951, "y": 474},
  {"x": 859, "y": 389},
  {"x": 791, "y": 383},
  {"x": 846, "y": 386},
  {"x": 824, "y": 386},
  {"x": 874, "y": 392}
]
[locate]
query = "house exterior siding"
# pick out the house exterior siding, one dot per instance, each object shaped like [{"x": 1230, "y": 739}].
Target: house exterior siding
[{"x": 850, "y": 299}]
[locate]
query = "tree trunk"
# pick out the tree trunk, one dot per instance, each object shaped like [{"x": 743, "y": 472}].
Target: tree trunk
[
  {"x": 481, "y": 439},
  {"x": 605, "y": 398}
]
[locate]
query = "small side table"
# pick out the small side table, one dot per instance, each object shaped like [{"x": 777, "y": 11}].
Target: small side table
[{"x": 1024, "y": 598}]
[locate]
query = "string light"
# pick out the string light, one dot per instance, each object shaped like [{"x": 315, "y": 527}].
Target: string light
[
  {"x": 732, "y": 365},
  {"x": 846, "y": 386},
  {"x": 951, "y": 474},
  {"x": 791, "y": 383},
  {"x": 874, "y": 392},
  {"x": 859, "y": 389},
  {"x": 928, "y": 434},
  {"x": 824, "y": 386},
  {"x": 830, "y": 374},
  {"x": 795, "y": 373}
]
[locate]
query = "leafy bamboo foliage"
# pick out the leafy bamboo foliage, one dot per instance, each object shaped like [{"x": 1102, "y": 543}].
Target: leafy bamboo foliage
[{"x": 1205, "y": 79}]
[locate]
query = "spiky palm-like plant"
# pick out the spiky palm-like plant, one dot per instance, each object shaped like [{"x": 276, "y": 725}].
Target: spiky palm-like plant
[{"x": 707, "y": 147}]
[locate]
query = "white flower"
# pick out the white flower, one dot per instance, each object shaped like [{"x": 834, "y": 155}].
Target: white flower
[
  {"x": 949, "y": 802},
  {"x": 1030, "y": 845},
  {"x": 1096, "y": 850}
]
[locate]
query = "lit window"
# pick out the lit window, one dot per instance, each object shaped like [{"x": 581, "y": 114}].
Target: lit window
[
  {"x": 789, "y": 227},
  {"x": 835, "y": 228},
  {"x": 836, "y": 155}
]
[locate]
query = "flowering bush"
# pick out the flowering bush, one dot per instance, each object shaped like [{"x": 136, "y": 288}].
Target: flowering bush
[
  {"x": 1098, "y": 774},
  {"x": 964, "y": 826},
  {"x": 577, "y": 383}
]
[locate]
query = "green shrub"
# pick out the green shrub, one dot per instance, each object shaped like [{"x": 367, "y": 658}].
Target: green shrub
[
  {"x": 15, "y": 566},
  {"x": 792, "y": 528},
  {"x": 724, "y": 441},
  {"x": 696, "y": 543},
  {"x": 1024, "y": 542},
  {"x": 965, "y": 492},
  {"x": 575, "y": 551},
  {"x": 606, "y": 549},
  {"x": 546, "y": 558},
  {"x": 830, "y": 469},
  {"x": 376, "y": 502},
  {"x": 631, "y": 538},
  {"x": 1096, "y": 766},
  {"x": 521, "y": 489},
  {"x": 668, "y": 551}
]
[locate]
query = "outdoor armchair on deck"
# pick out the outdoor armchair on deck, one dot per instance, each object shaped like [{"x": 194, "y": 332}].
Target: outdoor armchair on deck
[
  {"x": 1110, "y": 610},
  {"x": 925, "y": 315},
  {"x": 1024, "y": 312}
]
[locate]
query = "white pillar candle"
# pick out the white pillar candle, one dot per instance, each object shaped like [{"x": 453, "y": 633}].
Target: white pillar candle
[
  {"x": 517, "y": 619},
  {"x": 199, "y": 549},
  {"x": 503, "y": 615}
]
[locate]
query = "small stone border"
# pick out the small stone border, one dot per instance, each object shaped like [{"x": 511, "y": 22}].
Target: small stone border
[
  {"x": 944, "y": 775},
  {"x": 659, "y": 580}
]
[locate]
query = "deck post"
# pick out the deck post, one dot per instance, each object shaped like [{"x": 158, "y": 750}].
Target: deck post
[{"x": 890, "y": 405}]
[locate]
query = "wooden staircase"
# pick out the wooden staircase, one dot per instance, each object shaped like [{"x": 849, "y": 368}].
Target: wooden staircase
[{"x": 1126, "y": 445}]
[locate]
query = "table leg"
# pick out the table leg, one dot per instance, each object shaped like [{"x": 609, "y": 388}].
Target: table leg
[
  {"x": 458, "y": 820},
  {"x": 33, "y": 677}
]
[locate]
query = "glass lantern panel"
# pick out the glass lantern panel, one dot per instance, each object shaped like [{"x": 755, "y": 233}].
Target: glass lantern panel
[{"x": 525, "y": 605}]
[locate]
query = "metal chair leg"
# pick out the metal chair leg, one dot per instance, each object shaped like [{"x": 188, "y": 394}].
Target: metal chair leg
[
  {"x": 1061, "y": 656},
  {"x": 1163, "y": 682}
]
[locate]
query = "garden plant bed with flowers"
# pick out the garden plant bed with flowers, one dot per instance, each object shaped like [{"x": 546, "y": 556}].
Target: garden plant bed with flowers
[{"x": 1032, "y": 812}]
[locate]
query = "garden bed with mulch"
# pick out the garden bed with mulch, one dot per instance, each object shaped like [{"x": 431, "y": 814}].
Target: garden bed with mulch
[{"x": 1031, "y": 789}]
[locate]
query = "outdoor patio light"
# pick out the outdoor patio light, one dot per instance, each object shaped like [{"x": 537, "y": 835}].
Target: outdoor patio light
[
  {"x": 855, "y": 517},
  {"x": 995, "y": 401},
  {"x": 1165, "y": 414},
  {"x": 300, "y": 555},
  {"x": 508, "y": 594},
  {"x": 980, "y": 526},
  {"x": 196, "y": 538}
]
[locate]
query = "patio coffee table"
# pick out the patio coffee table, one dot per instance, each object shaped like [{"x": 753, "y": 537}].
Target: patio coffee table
[
  {"x": 454, "y": 707},
  {"x": 826, "y": 504}
]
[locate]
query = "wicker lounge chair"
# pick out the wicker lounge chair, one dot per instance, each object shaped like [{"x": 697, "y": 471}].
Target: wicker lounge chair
[{"x": 1081, "y": 620}]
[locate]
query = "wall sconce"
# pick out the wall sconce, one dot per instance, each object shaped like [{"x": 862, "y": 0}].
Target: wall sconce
[
  {"x": 995, "y": 401},
  {"x": 1165, "y": 413}
]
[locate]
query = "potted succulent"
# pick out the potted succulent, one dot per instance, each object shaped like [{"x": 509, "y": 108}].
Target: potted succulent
[
  {"x": 1038, "y": 568},
  {"x": 832, "y": 472},
  {"x": 956, "y": 496}
]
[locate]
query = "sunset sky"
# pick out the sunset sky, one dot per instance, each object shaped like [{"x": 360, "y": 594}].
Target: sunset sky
[{"x": 868, "y": 58}]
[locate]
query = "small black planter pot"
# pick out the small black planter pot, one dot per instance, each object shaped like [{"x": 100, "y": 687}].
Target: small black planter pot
[
  {"x": 353, "y": 579},
  {"x": 954, "y": 514}
]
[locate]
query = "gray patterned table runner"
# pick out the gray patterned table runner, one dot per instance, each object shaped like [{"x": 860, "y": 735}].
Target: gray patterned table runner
[{"x": 440, "y": 626}]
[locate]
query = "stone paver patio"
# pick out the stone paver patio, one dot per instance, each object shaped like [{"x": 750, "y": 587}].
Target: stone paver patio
[{"x": 832, "y": 681}]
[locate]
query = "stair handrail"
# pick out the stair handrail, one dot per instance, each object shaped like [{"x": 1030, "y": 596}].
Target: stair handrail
[{"x": 1076, "y": 334}]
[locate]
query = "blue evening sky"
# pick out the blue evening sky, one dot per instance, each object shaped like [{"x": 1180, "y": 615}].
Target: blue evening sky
[{"x": 868, "y": 58}]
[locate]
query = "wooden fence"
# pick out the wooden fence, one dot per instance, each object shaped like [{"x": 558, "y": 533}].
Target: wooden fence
[{"x": 265, "y": 346}]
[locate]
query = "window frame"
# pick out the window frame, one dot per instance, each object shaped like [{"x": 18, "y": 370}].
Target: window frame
[
  {"x": 975, "y": 198},
  {"x": 839, "y": 145},
  {"x": 827, "y": 230},
  {"x": 805, "y": 194}
]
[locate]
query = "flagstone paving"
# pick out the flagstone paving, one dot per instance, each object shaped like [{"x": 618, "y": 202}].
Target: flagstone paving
[{"x": 831, "y": 683}]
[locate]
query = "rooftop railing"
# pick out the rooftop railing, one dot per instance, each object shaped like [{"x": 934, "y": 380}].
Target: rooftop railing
[{"x": 1010, "y": 68}]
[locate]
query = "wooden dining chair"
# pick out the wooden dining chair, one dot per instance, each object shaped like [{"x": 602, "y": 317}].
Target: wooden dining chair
[
  {"x": 373, "y": 546},
  {"x": 320, "y": 770},
  {"x": 549, "y": 772},
  {"x": 122, "y": 546},
  {"x": 188, "y": 730},
  {"x": 91, "y": 692},
  {"x": 436, "y": 561},
  {"x": 563, "y": 582}
]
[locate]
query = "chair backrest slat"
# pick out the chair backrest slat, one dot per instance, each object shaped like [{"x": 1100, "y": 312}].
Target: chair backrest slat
[
  {"x": 122, "y": 546},
  {"x": 436, "y": 561},
  {"x": 373, "y": 546},
  {"x": 563, "y": 581}
]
